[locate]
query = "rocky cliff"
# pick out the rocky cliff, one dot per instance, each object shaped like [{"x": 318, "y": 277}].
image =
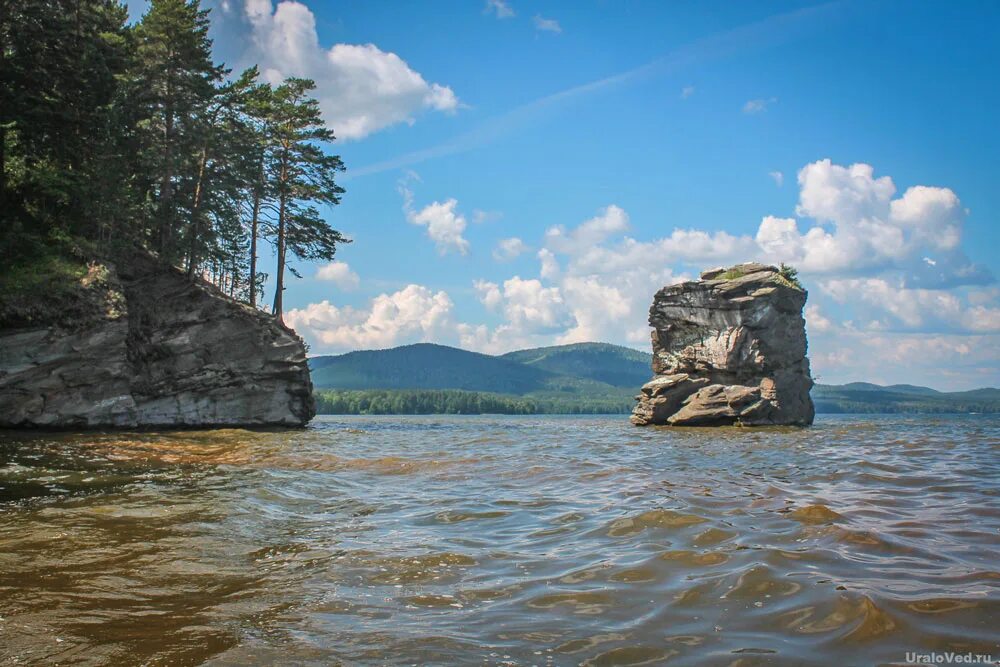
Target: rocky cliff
[
  {"x": 152, "y": 349},
  {"x": 728, "y": 349}
]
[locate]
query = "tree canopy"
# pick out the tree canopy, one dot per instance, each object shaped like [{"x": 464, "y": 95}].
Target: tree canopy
[{"x": 122, "y": 135}]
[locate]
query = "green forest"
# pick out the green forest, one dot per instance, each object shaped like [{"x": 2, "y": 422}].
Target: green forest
[
  {"x": 117, "y": 136},
  {"x": 458, "y": 402}
]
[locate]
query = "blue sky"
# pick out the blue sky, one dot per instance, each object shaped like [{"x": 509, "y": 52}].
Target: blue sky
[{"x": 525, "y": 173}]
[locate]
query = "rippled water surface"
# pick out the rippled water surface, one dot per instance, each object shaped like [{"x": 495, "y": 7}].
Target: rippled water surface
[{"x": 503, "y": 540}]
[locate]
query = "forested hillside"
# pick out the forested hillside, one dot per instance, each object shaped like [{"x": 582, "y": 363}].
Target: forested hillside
[
  {"x": 426, "y": 366},
  {"x": 864, "y": 398},
  {"x": 567, "y": 379},
  {"x": 612, "y": 364},
  {"x": 117, "y": 136}
]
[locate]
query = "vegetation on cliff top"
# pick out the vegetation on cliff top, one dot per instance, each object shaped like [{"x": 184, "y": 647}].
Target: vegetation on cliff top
[
  {"x": 116, "y": 136},
  {"x": 787, "y": 275}
]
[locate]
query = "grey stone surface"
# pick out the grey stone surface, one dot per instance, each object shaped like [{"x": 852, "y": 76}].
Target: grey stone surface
[
  {"x": 728, "y": 349},
  {"x": 179, "y": 355}
]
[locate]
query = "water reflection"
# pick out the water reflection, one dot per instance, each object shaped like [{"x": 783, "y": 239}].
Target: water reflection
[{"x": 500, "y": 540}]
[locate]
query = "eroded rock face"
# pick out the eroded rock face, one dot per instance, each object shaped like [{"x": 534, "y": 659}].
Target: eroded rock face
[
  {"x": 177, "y": 355},
  {"x": 728, "y": 349}
]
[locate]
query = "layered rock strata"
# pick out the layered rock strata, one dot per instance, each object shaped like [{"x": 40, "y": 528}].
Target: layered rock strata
[
  {"x": 166, "y": 352},
  {"x": 728, "y": 349}
]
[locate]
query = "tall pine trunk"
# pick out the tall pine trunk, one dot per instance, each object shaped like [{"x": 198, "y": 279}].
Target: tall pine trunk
[
  {"x": 166, "y": 185},
  {"x": 3, "y": 168},
  {"x": 254, "y": 222},
  {"x": 282, "y": 204},
  {"x": 196, "y": 213},
  {"x": 280, "y": 283}
]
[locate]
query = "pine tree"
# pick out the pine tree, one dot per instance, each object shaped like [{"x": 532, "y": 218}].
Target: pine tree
[
  {"x": 223, "y": 165},
  {"x": 301, "y": 174},
  {"x": 173, "y": 82},
  {"x": 59, "y": 67},
  {"x": 257, "y": 116}
]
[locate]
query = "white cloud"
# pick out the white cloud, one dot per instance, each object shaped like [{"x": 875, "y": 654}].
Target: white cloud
[
  {"x": 843, "y": 195},
  {"x": 948, "y": 362},
  {"x": 444, "y": 226},
  {"x": 547, "y": 25},
  {"x": 549, "y": 264},
  {"x": 533, "y": 314},
  {"x": 881, "y": 267},
  {"x": 410, "y": 315},
  {"x": 340, "y": 274},
  {"x": 444, "y": 223},
  {"x": 896, "y": 307},
  {"x": 528, "y": 306},
  {"x": 860, "y": 226},
  {"x": 933, "y": 214},
  {"x": 601, "y": 291},
  {"x": 500, "y": 8},
  {"x": 361, "y": 89},
  {"x": 816, "y": 322},
  {"x": 489, "y": 293},
  {"x": 759, "y": 105},
  {"x": 508, "y": 249},
  {"x": 686, "y": 92},
  {"x": 610, "y": 221},
  {"x": 777, "y": 177}
]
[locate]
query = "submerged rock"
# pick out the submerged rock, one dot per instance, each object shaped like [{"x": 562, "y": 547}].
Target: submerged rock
[
  {"x": 728, "y": 349},
  {"x": 170, "y": 353}
]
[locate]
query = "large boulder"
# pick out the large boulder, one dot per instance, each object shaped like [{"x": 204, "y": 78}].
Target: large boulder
[
  {"x": 165, "y": 351},
  {"x": 728, "y": 349}
]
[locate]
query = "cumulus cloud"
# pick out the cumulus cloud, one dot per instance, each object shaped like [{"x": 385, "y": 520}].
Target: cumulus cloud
[
  {"x": 816, "y": 321},
  {"x": 886, "y": 272},
  {"x": 413, "y": 314},
  {"x": 949, "y": 362},
  {"x": 549, "y": 264},
  {"x": 508, "y": 249},
  {"x": 897, "y": 307},
  {"x": 533, "y": 313},
  {"x": 859, "y": 225},
  {"x": 361, "y": 89},
  {"x": 527, "y": 305},
  {"x": 499, "y": 8},
  {"x": 777, "y": 177},
  {"x": 547, "y": 25},
  {"x": 340, "y": 274},
  {"x": 445, "y": 225},
  {"x": 610, "y": 221},
  {"x": 594, "y": 284}
]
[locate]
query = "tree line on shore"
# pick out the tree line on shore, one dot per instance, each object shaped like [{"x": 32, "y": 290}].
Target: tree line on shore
[
  {"x": 126, "y": 136},
  {"x": 457, "y": 402}
]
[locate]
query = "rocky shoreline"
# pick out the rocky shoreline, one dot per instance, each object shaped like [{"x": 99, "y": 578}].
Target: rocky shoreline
[{"x": 163, "y": 352}]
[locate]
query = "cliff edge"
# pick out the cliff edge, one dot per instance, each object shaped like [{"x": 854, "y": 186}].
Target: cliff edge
[
  {"x": 728, "y": 349},
  {"x": 147, "y": 347}
]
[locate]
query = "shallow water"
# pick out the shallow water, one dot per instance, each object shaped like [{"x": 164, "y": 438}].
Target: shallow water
[{"x": 503, "y": 540}]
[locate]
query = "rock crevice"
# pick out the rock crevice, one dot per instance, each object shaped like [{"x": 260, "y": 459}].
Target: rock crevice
[
  {"x": 728, "y": 349},
  {"x": 177, "y": 354}
]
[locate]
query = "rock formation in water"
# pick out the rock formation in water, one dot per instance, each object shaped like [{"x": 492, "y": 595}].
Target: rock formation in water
[
  {"x": 147, "y": 347},
  {"x": 728, "y": 349}
]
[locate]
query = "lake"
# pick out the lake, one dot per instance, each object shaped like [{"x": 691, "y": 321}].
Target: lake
[{"x": 503, "y": 541}]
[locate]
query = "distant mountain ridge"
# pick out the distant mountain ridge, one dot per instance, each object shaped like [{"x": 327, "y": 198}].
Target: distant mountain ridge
[{"x": 572, "y": 377}]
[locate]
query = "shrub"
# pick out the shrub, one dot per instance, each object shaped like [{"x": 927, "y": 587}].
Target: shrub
[{"x": 791, "y": 275}]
